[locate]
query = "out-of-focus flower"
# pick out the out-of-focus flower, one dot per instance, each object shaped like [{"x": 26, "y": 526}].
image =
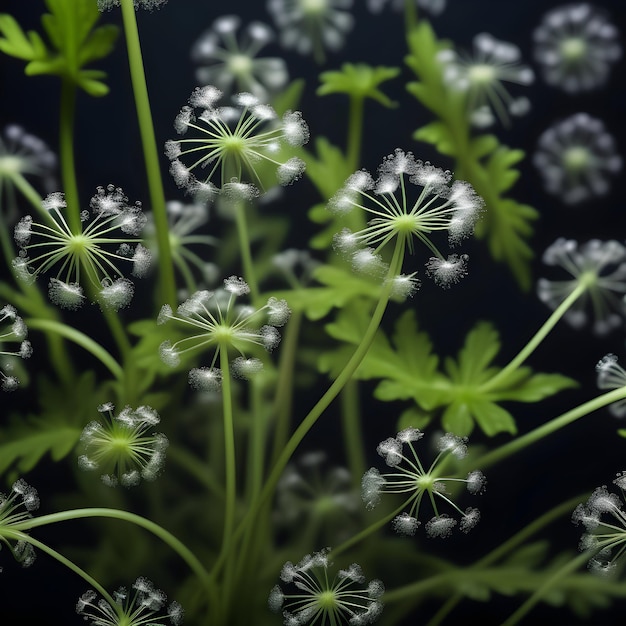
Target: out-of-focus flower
[
  {"x": 312, "y": 26},
  {"x": 230, "y": 62},
  {"x": 15, "y": 508},
  {"x": 576, "y": 157},
  {"x": 124, "y": 447},
  {"x": 611, "y": 375},
  {"x": 599, "y": 268},
  {"x": 576, "y": 45},
  {"x": 482, "y": 76},
  {"x": 12, "y": 330}
]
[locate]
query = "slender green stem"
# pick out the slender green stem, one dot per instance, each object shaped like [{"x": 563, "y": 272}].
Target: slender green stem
[
  {"x": 79, "y": 338},
  {"x": 66, "y": 153},
  {"x": 366, "y": 532},
  {"x": 324, "y": 402},
  {"x": 355, "y": 132},
  {"x": 570, "y": 566},
  {"x": 69, "y": 564},
  {"x": 352, "y": 429},
  {"x": 284, "y": 392},
  {"x": 540, "y": 335},
  {"x": 508, "y": 449},
  {"x": 249, "y": 270},
  {"x": 173, "y": 542},
  {"x": 151, "y": 155}
]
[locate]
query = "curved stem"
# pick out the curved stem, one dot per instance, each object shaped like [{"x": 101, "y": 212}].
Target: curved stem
[
  {"x": 79, "y": 338},
  {"x": 508, "y": 449},
  {"x": 69, "y": 564},
  {"x": 570, "y": 566},
  {"x": 323, "y": 403},
  {"x": 173, "y": 542},
  {"x": 540, "y": 335},
  {"x": 151, "y": 157}
]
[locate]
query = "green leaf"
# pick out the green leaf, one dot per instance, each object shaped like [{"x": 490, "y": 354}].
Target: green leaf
[
  {"x": 74, "y": 42},
  {"x": 359, "y": 81}
]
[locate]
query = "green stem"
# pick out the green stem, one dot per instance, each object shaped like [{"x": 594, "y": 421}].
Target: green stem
[
  {"x": 66, "y": 153},
  {"x": 355, "y": 132},
  {"x": 569, "y": 567},
  {"x": 353, "y": 429},
  {"x": 69, "y": 564},
  {"x": 324, "y": 402},
  {"x": 79, "y": 338},
  {"x": 540, "y": 335},
  {"x": 151, "y": 155},
  {"x": 249, "y": 270},
  {"x": 284, "y": 393},
  {"x": 173, "y": 542},
  {"x": 508, "y": 449}
]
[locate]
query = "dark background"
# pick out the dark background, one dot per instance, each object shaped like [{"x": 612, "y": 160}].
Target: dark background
[{"x": 583, "y": 456}]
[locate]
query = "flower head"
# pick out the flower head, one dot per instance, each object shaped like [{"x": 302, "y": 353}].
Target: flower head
[
  {"x": 225, "y": 148},
  {"x": 23, "y": 155},
  {"x": 188, "y": 244},
  {"x": 576, "y": 158},
  {"x": 15, "y": 508},
  {"x": 143, "y": 605},
  {"x": 410, "y": 477},
  {"x": 576, "y": 45},
  {"x": 123, "y": 448},
  {"x": 87, "y": 259},
  {"x": 431, "y": 6},
  {"x": 12, "y": 331},
  {"x": 611, "y": 375},
  {"x": 311, "y": 26},
  {"x": 314, "y": 598},
  {"x": 481, "y": 77},
  {"x": 230, "y": 62},
  {"x": 216, "y": 322},
  {"x": 599, "y": 267},
  {"x": 604, "y": 520},
  {"x": 316, "y": 497},
  {"x": 395, "y": 214}
]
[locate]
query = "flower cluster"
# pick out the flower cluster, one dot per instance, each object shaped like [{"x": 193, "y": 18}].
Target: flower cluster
[
  {"x": 481, "y": 77},
  {"x": 575, "y": 158},
  {"x": 410, "y": 477},
  {"x": 218, "y": 323},
  {"x": 232, "y": 65},
  {"x": 142, "y": 606},
  {"x": 317, "y": 599},
  {"x": 576, "y": 45},
  {"x": 606, "y": 538},
  {"x": 438, "y": 206},
  {"x": 611, "y": 375},
  {"x": 311, "y": 26},
  {"x": 124, "y": 448},
  {"x": 86, "y": 260},
  {"x": 232, "y": 143},
  {"x": 12, "y": 329},
  {"x": 600, "y": 266},
  {"x": 150, "y": 5},
  {"x": 15, "y": 508}
]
